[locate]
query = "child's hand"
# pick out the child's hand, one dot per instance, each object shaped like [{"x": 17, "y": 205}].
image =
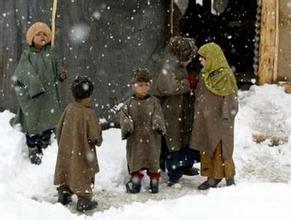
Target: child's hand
[
  {"x": 192, "y": 81},
  {"x": 63, "y": 76},
  {"x": 125, "y": 136},
  {"x": 160, "y": 131},
  {"x": 92, "y": 142}
]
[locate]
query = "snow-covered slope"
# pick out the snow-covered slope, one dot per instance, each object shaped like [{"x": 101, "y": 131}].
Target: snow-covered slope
[{"x": 263, "y": 189}]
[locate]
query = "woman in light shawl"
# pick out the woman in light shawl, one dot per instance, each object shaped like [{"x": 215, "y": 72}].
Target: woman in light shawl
[{"x": 215, "y": 109}]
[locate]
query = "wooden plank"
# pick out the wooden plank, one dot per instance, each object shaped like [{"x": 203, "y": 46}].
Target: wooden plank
[
  {"x": 171, "y": 18},
  {"x": 284, "y": 59},
  {"x": 54, "y": 11},
  {"x": 267, "y": 42},
  {"x": 275, "y": 73}
]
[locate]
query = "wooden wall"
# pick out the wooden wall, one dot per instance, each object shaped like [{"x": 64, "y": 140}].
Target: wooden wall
[
  {"x": 268, "y": 42},
  {"x": 284, "y": 58},
  {"x": 124, "y": 34}
]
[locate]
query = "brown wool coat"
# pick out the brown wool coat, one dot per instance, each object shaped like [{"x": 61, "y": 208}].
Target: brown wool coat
[
  {"x": 172, "y": 88},
  {"x": 77, "y": 160},
  {"x": 142, "y": 124},
  {"x": 188, "y": 117},
  {"x": 213, "y": 122}
]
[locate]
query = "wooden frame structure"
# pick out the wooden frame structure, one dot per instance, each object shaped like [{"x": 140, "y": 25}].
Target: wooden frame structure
[{"x": 269, "y": 42}]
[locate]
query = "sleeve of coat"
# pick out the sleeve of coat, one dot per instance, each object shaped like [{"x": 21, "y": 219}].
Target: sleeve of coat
[
  {"x": 169, "y": 85},
  {"x": 26, "y": 76},
  {"x": 230, "y": 106},
  {"x": 60, "y": 127},
  {"x": 59, "y": 66},
  {"x": 94, "y": 129},
  {"x": 158, "y": 122},
  {"x": 126, "y": 122}
]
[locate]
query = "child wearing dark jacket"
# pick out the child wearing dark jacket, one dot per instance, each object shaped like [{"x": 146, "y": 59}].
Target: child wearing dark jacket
[
  {"x": 142, "y": 124},
  {"x": 78, "y": 133}
]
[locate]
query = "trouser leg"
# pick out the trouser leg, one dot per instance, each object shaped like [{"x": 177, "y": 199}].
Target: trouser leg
[
  {"x": 34, "y": 144},
  {"x": 154, "y": 181},
  {"x": 45, "y": 137},
  {"x": 215, "y": 167}
]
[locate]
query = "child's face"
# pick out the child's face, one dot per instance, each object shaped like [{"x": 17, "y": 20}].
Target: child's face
[
  {"x": 40, "y": 40},
  {"x": 202, "y": 61},
  {"x": 141, "y": 89}
]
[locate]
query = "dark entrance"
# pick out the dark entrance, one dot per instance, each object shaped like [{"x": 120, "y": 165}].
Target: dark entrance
[{"x": 233, "y": 28}]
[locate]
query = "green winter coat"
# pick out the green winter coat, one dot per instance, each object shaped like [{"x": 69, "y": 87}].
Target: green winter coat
[{"x": 35, "y": 85}]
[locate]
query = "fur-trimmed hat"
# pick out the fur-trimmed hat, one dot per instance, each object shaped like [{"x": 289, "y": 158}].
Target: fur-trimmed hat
[
  {"x": 182, "y": 47},
  {"x": 141, "y": 75},
  {"x": 35, "y": 29}
]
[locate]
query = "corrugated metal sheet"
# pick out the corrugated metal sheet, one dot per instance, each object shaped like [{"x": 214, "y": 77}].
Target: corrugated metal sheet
[{"x": 114, "y": 37}]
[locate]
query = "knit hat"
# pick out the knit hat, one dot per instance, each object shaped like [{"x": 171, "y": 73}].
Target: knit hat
[
  {"x": 182, "y": 47},
  {"x": 141, "y": 75},
  {"x": 35, "y": 29}
]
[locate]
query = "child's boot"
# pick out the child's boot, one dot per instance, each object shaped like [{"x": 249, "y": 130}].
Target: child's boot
[
  {"x": 46, "y": 137},
  {"x": 134, "y": 185},
  {"x": 34, "y": 149},
  {"x": 230, "y": 181},
  {"x": 34, "y": 155},
  {"x": 154, "y": 183},
  {"x": 85, "y": 204},
  {"x": 172, "y": 182},
  {"x": 64, "y": 195},
  {"x": 209, "y": 183},
  {"x": 154, "y": 186},
  {"x": 190, "y": 171}
]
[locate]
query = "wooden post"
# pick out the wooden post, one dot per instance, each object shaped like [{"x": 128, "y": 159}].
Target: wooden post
[
  {"x": 276, "y": 63},
  {"x": 268, "y": 42},
  {"x": 54, "y": 11},
  {"x": 172, "y": 18}
]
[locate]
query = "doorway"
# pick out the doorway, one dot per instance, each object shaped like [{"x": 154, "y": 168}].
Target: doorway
[{"x": 231, "y": 24}]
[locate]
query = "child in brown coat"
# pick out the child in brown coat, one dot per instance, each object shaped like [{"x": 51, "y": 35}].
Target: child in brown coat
[
  {"x": 78, "y": 133},
  {"x": 142, "y": 124}
]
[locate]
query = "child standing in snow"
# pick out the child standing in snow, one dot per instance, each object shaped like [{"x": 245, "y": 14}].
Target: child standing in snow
[
  {"x": 215, "y": 110},
  {"x": 35, "y": 84},
  {"x": 173, "y": 88},
  {"x": 78, "y": 133},
  {"x": 142, "y": 124}
]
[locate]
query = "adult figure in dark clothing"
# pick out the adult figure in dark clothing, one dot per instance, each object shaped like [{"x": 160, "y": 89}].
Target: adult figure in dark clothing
[
  {"x": 199, "y": 23},
  {"x": 236, "y": 32}
]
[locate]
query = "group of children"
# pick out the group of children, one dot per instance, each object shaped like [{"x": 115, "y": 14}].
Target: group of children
[{"x": 156, "y": 126}]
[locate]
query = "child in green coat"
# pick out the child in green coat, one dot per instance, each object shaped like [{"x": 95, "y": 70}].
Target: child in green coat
[{"x": 35, "y": 84}]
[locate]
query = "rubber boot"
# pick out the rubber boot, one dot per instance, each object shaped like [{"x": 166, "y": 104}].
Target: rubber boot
[
  {"x": 46, "y": 137},
  {"x": 85, "y": 204},
  {"x": 34, "y": 155},
  {"x": 209, "y": 183},
  {"x": 230, "y": 181},
  {"x": 154, "y": 186},
  {"x": 34, "y": 149},
  {"x": 64, "y": 197},
  {"x": 192, "y": 171},
  {"x": 134, "y": 185}
]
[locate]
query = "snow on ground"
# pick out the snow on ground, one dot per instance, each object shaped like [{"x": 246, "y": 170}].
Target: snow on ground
[{"x": 263, "y": 189}]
